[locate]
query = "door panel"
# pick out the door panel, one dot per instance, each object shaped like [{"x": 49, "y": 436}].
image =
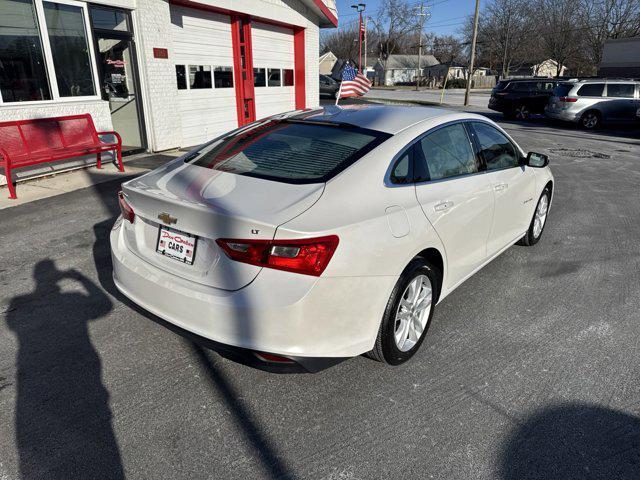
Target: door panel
[
  {"x": 513, "y": 190},
  {"x": 460, "y": 210},
  {"x": 457, "y": 200},
  {"x": 512, "y": 185}
]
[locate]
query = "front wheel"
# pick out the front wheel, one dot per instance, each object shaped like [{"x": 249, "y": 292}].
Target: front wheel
[
  {"x": 539, "y": 220},
  {"x": 408, "y": 314}
]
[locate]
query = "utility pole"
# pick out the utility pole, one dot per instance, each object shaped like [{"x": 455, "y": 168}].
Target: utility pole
[
  {"x": 473, "y": 52},
  {"x": 422, "y": 16},
  {"x": 360, "y": 8},
  {"x": 365, "y": 43}
]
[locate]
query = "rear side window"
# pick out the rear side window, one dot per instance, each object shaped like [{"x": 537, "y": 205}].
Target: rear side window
[
  {"x": 290, "y": 151},
  {"x": 621, "y": 90},
  {"x": 563, "y": 89},
  {"x": 401, "y": 172},
  {"x": 496, "y": 149},
  {"x": 521, "y": 87},
  {"x": 447, "y": 152},
  {"x": 591, "y": 90}
]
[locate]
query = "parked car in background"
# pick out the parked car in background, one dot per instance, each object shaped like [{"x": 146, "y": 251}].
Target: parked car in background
[
  {"x": 520, "y": 98},
  {"x": 306, "y": 238},
  {"x": 328, "y": 86},
  {"x": 595, "y": 101}
]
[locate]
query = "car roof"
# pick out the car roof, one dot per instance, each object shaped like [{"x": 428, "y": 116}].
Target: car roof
[{"x": 383, "y": 118}]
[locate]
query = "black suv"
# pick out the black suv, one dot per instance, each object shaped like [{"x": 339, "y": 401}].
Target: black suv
[{"x": 522, "y": 97}]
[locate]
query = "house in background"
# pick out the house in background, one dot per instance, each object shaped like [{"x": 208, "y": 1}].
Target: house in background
[
  {"x": 547, "y": 68},
  {"x": 400, "y": 69},
  {"x": 621, "y": 58},
  {"x": 326, "y": 63},
  {"x": 434, "y": 75}
]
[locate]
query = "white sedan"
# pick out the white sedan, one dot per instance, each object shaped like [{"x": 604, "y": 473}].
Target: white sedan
[{"x": 319, "y": 235}]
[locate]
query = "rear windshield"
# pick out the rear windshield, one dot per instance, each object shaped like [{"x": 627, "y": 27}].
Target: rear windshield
[
  {"x": 290, "y": 151},
  {"x": 500, "y": 85},
  {"x": 563, "y": 89}
]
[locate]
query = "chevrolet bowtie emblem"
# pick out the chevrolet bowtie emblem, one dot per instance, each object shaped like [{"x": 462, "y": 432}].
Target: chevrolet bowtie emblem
[{"x": 168, "y": 219}]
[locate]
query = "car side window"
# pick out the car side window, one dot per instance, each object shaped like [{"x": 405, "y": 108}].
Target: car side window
[
  {"x": 591, "y": 90},
  {"x": 620, "y": 90},
  {"x": 401, "y": 172},
  {"x": 447, "y": 153},
  {"x": 496, "y": 149}
]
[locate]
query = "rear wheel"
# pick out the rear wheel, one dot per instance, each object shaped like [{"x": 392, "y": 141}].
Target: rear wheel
[
  {"x": 590, "y": 120},
  {"x": 522, "y": 112},
  {"x": 539, "y": 220},
  {"x": 408, "y": 314}
]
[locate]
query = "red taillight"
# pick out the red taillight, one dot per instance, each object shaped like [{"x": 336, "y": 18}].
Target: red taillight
[
  {"x": 309, "y": 256},
  {"x": 125, "y": 208},
  {"x": 568, "y": 99}
]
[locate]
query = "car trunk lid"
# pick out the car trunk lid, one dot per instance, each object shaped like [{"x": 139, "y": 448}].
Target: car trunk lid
[{"x": 209, "y": 204}]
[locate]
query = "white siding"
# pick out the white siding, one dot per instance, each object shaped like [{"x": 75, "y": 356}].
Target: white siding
[
  {"x": 203, "y": 38},
  {"x": 272, "y": 47}
]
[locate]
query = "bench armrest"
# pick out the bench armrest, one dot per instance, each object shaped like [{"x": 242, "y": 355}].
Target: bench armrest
[{"x": 115, "y": 134}]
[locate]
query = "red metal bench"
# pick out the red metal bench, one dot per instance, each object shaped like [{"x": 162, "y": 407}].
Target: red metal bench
[{"x": 29, "y": 142}]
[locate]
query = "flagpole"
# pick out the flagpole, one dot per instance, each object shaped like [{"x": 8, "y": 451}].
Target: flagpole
[{"x": 339, "y": 91}]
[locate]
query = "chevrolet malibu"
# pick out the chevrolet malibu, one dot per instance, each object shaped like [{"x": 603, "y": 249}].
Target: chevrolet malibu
[{"x": 318, "y": 235}]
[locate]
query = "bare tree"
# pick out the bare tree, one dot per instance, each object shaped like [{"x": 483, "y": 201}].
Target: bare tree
[
  {"x": 394, "y": 25},
  {"x": 447, "y": 48},
  {"x": 505, "y": 33},
  {"x": 343, "y": 43}
]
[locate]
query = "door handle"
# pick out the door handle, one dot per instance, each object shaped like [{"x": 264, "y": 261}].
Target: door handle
[
  {"x": 500, "y": 187},
  {"x": 443, "y": 206}
]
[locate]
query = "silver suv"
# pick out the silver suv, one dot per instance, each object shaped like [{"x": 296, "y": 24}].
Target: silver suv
[{"x": 593, "y": 102}]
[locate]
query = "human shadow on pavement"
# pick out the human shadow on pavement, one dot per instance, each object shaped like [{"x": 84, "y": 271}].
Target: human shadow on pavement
[
  {"x": 63, "y": 419},
  {"x": 573, "y": 441}
]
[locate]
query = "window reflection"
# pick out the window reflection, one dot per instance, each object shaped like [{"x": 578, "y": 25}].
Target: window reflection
[
  {"x": 23, "y": 75},
  {"x": 70, "y": 49}
]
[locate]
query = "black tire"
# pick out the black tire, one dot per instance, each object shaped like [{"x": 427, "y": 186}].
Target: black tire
[
  {"x": 591, "y": 120},
  {"x": 385, "y": 349},
  {"x": 529, "y": 238},
  {"x": 510, "y": 114}
]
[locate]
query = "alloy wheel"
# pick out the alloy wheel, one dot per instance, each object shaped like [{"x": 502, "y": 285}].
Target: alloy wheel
[
  {"x": 522, "y": 112},
  {"x": 590, "y": 120},
  {"x": 540, "y": 216},
  {"x": 413, "y": 313}
]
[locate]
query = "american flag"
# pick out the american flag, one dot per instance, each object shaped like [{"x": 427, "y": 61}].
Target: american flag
[{"x": 354, "y": 84}]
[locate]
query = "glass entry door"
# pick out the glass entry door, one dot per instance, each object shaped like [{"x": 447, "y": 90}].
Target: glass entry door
[{"x": 118, "y": 75}]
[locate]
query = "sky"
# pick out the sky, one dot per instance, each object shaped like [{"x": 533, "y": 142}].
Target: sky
[{"x": 446, "y": 18}]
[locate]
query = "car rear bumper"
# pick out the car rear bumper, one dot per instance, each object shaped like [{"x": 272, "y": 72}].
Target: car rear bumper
[
  {"x": 558, "y": 114},
  {"x": 279, "y": 312}
]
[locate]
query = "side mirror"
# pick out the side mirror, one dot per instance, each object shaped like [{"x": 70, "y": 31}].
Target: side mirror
[{"x": 537, "y": 160}]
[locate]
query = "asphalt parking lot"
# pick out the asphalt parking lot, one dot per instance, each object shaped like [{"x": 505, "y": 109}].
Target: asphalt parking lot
[{"x": 530, "y": 368}]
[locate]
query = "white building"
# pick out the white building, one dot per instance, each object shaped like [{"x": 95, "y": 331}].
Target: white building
[
  {"x": 401, "y": 68},
  {"x": 163, "y": 73},
  {"x": 620, "y": 58}
]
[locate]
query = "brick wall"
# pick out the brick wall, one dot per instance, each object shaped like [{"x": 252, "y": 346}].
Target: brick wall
[{"x": 152, "y": 29}]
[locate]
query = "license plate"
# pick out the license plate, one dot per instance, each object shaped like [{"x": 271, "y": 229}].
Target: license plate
[{"x": 177, "y": 245}]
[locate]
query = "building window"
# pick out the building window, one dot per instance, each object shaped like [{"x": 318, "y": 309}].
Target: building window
[
  {"x": 108, "y": 19},
  {"x": 287, "y": 75},
  {"x": 259, "y": 77},
  {"x": 223, "y": 77},
  {"x": 23, "y": 73},
  {"x": 181, "y": 77},
  {"x": 69, "y": 49},
  {"x": 199, "y": 76},
  {"x": 274, "y": 77}
]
